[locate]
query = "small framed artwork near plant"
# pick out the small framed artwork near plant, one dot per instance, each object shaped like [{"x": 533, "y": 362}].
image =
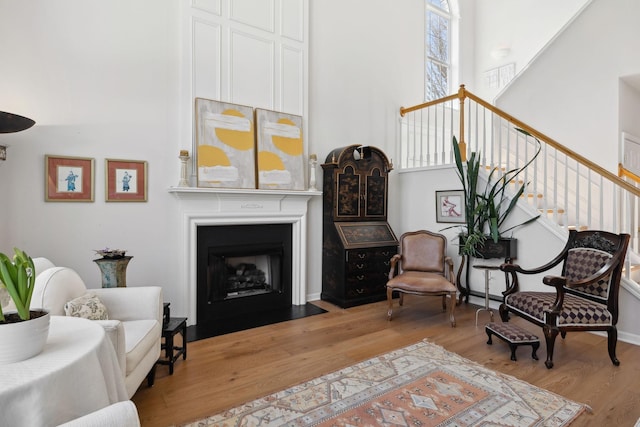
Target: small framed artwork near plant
[
  {"x": 68, "y": 179},
  {"x": 450, "y": 206},
  {"x": 126, "y": 180}
]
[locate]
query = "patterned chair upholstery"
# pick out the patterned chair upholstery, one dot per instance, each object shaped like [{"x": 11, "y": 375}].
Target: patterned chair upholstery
[
  {"x": 586, "y": 292},
  {"x": 422, "y": 268}
]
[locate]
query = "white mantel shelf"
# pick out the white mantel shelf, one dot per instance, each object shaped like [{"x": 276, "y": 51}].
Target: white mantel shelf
[
  {"x": 243, "y": 191},
  {"x": 239, "y": 202}
]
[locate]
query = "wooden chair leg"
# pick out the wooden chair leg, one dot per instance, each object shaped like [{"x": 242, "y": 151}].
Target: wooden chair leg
[
  {"x": 504, "y": 313},
  {"x": 452, "y": 309},
  {"x": 612, "y": 333},
  {"x": 444, "y": 303},
  {"x": 550, "y": 334},
  {"x": 390, "y": 301}
]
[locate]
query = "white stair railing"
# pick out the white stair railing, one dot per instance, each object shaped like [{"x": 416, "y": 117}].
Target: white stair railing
[{"x": 563, "y": 186}]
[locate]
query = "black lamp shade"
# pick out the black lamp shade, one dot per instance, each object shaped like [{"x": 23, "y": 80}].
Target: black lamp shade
[{"x": 10, "y": 123}]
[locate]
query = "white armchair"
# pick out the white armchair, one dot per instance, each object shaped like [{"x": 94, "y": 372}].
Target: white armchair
[{"x": 135, "y": 313}]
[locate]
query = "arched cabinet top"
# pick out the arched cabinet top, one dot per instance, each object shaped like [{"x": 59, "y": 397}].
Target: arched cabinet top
[{"x": 357, "y": 154}]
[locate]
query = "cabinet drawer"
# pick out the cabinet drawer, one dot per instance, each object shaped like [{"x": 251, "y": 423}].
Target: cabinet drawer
[
  {"x": 370, "y": 254},
  {"x": 363, "y": 266},
  {"x": 357, "y": 278},
  {"x": 366, "y": 283}
]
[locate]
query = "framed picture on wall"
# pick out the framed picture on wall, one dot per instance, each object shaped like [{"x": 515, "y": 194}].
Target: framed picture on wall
[
  {"x": 126, "y": 180},
  {"x": 68, "y": 179},
  {"x": 450, "y": 206},
  {"x": 225, "y": 144},
  {"x": 280, "y": 148}
]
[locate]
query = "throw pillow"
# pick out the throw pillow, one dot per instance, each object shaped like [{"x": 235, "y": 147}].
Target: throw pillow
[{"x": 88, "y": 306}]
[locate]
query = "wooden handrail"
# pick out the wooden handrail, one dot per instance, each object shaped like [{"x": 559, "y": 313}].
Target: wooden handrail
[
  {"x": 463, "y": 93},
  {"x": 622, "y": 171},
  {"x": 404, "y": 110}
]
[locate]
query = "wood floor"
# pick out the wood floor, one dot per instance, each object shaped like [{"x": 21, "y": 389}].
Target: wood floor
[{"x": 227, "y": 370}]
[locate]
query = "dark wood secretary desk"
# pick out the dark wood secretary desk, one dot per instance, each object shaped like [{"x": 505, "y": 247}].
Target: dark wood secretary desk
[{"x": 357, "y": 243}]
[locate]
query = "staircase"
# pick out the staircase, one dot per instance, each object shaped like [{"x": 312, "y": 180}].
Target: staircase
[{"x": 566, "y": 189}]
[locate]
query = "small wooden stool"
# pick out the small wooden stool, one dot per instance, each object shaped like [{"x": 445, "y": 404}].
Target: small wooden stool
[
  {"x": 513, "y": 335},
  {"x": 175, "y": 325}
]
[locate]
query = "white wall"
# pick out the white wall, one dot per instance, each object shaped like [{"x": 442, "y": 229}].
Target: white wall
[
  {"x": 629, "y": 106},
  {"x": 571, "y": 90},
  {"x": 524, "y": 27},
  {"x": 101, "y": 80}
]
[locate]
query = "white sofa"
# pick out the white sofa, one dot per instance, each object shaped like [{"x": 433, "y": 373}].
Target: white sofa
[{"x": 135, "y": 317}]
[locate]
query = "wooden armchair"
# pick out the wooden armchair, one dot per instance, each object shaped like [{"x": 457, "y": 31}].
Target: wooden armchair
[
  {"x": 422, "y": 269},
  {"x": 586, "y": 292}
]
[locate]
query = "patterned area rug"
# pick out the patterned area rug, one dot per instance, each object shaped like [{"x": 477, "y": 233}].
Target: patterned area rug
[{"x": 419, "y": 385}]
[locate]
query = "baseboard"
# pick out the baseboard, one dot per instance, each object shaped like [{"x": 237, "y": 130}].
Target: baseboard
[
  {"x": 313, "y": 297},
  {"x": 623, "y": 336}
]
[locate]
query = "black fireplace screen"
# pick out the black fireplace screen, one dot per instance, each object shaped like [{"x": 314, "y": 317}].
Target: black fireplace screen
[{"x": 241, "y": 272}]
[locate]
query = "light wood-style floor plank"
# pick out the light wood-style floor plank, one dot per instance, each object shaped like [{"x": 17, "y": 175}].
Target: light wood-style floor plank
[{"x": 225, "y": 371}]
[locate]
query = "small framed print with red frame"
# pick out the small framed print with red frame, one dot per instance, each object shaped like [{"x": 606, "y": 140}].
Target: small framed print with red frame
[
  {"x": 126, "y": 180},
  {"x": 68, "y": 179}
]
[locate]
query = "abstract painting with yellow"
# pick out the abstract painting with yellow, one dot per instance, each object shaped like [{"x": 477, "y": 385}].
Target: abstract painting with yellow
[
  {"x": 280, "y": 150},
  {"x": 225, "y": 145}
]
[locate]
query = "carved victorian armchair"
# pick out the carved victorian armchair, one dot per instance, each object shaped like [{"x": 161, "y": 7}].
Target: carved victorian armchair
[
  {"x": 422, "y": 269},
  {"x": 585, "y": 297}
]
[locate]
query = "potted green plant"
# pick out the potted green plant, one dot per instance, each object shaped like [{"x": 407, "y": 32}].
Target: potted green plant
[
  {"x": 486, "y": 209},
  {"x": 24, "y": 332}
]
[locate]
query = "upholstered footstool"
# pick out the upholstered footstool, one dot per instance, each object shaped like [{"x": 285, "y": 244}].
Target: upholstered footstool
[{"x": 513, "y": 335}]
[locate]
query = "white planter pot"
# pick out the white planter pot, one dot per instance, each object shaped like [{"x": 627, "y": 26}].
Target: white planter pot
[{"x": 23, "y": 340}]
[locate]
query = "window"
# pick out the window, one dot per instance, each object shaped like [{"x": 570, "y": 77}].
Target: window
[{"x": 438, "y": 44}]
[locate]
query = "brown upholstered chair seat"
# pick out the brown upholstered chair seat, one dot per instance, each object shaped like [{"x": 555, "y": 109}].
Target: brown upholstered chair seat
[
  {"x": 421, "y": 282},
  {"x": 422, "y": 267}
]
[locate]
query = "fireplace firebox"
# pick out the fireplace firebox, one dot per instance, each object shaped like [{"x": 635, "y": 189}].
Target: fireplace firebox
[{"x": 243, "y": 269}]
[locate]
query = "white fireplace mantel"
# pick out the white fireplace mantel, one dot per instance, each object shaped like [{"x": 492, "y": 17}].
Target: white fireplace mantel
[{"x": 224, "y": 206}]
